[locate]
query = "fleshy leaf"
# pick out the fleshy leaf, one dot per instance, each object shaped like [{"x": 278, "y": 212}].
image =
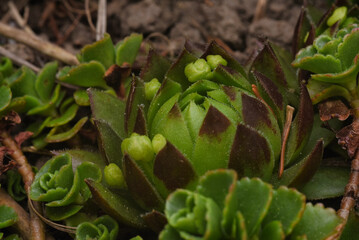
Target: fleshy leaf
[
  {"x": 45, "y": 81},
  {"x": 251, "y": 155},
  {"x": 322, "y": 186},
  {"x": 122, "y": 208},
  {"x": 349, "y": 49},
  {"x": 5, "y": 97},
  {"x": 22, "y": 83},
  {"x": 53, "y": 136},
  {"x": 140, "y": 187},
  {"x": 317, "y": 223},
  {"x": 102, "y": 51},
  {"x": 8, "y": 216},
  {"x": 84, "y": 75},
  {"x": 287, "y": 207},
  {"x": 156, "y": 67},
  {"x": 255, "y": 199},
  {"x": 172, "y": 168},
  {"x": 273, "y": 231},
  {"x": 127, "y": 50},
  {"x": 61, "y": 213},
  {"x": 66, "y": 117},
  {"x": 81, "y": 97},
  {"x": 215, "y": 135}
]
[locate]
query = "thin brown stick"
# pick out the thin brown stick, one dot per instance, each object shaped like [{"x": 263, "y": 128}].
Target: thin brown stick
[
  {"x": 22, "y": 225},
  {"x": 88, "y": 15},
  {"x": 101, "y": 19},
  {"x": 38, "y": 44},
  {"x": 17, "y": 59},
  {"x": 286, "y": 129},
  {"x": 351, "y": 190},
  {"x": 260, "y": 10},
  {"x": 37, "y": 228},
  {"x": 17, "y": 17}
]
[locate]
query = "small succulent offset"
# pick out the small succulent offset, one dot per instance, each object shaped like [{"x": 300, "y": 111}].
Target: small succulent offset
[
  {"x": 223, "y": 207},
  {"x": 103, "y": 228},
  {"x": 63, "y": 191},
  {"x": 333, "y": 59}
]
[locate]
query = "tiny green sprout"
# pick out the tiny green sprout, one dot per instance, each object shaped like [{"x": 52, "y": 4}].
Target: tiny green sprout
[
  {"x": 215, "y": 60},
  {"x": 151, "y": 88},
  {"x": 158, "y": 142},
  {"x": 114, "y": 176},
  {"x": 197, "y": 70},
  {"x": 139, "y": 147},
  {"x": 339, "y": 14}
]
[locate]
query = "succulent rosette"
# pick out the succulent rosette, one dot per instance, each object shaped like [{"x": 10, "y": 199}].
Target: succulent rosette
[
  {"x": 62, "y": 188},
  {"x": 223, "y": 207},
  {"x": 104, "y": 228},
  {"x": 333, "y": 58},
  {"x": 203, "y": 112}
]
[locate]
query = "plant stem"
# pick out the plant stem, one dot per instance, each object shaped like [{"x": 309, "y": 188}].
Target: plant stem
[{"x": 37, "y": 228}]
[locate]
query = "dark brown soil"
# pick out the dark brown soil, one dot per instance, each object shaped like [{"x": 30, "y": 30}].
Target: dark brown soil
[{"x": 166, "y": 23}]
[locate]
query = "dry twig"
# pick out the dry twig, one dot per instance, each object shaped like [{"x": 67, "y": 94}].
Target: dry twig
[
  {"x": 38, "y": 44},
  {"x": 37, "y": 228},
  {"x": 260, "y": 10},
  {"x": 17, "y": 17},
  {"x": 17, "y": 59},
  {"x": 101, "y": 19}
]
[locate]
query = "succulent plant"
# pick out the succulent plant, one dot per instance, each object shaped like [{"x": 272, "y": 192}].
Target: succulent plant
[
  {"x": 332, "y": 61},
  {"x": 223, "y": 207},
  {"x": 104, "y": 228},
  {"x": 24, "y": 91},
  {"x": 63, "y": 191},
  {"x": 204, "y": 112}
]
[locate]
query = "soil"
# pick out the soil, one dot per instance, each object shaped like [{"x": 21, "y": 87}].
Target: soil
[{"x": 167, "y": 24}]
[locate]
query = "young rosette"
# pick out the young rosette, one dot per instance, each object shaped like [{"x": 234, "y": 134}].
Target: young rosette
[
  {"x": 61, "y": 186},
  {"x": 103, "y": 228},
  {"x": 223, "y": 207},
  {"x": 333, "y": 58}
]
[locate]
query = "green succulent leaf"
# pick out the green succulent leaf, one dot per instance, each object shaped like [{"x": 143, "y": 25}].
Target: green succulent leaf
[
  {"x": 66, "y": 117},
  {"x": 8, "y": 216},
  {"x": 103, "y": 228},
  {"x": 322, "y": 186},
  {"x": 287, "y": 207},
  {"x": 5, "y": 97},
  {"x": 102, "y": 51},
  {"x": 15, "y": 186},
  {"x": 317, "y": 223},
  {"x": 273, "y": 231},
  {"x": 45, "y": 81},
  {"x": 156, "y": 67},
  {"x": 48, "y": 107},
  {"x": 81, "y": 97},
  {"x": 127, "y": 50},
  {"x": 6, "y": 68},
  {"x": 54, "y": 136},
  {"x": 23, "y": 83},
  {"x": 120, "y": 207},
  {"x": 348, "y": 50},
  {"x": 84, "y": 75}
]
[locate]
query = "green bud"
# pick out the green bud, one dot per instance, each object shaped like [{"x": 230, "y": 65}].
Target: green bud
[
  {"x": 158, "y": 142},
  {"x": 197, "y": 70},
  {"x": 138, "y": 147},
  {"x": 114, "y": 177},
  {"x": 339, "y": 14},
  {"x": 215, "y": 60},
  {"x": 151, "y": 88}
]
